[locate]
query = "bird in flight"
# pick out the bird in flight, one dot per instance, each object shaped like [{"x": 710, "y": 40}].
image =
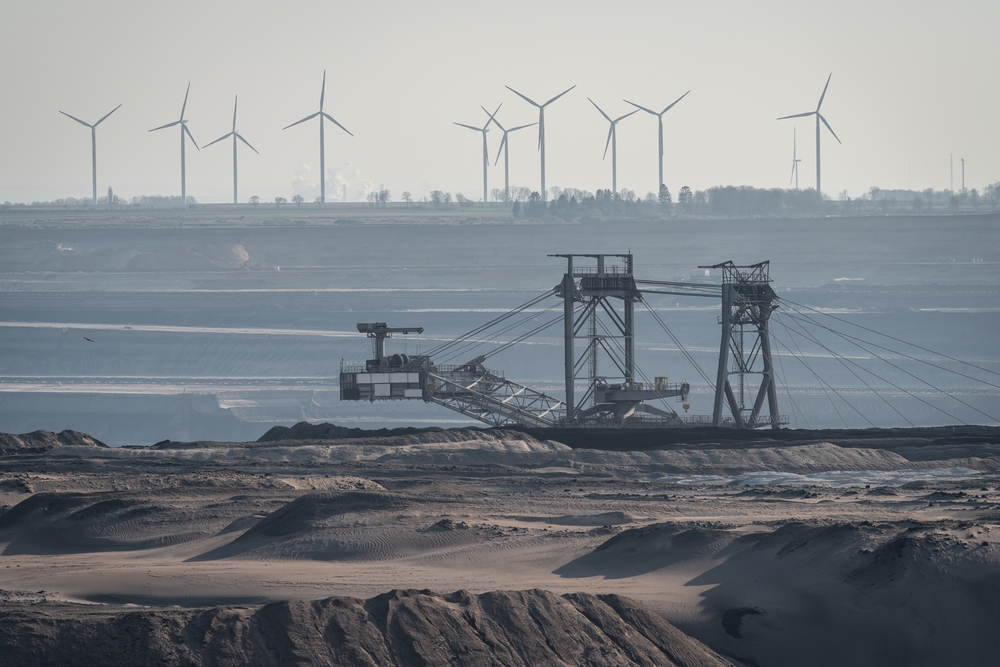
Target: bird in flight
[{"x": 89, "y": 340}]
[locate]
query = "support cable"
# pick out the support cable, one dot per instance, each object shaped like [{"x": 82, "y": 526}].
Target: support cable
[
  {"x": 471, "y": 345},
  {"x": 843, "y": 362},
  {"x": 855, "y": 340},
  {"x": 538, "y": 329},
  {"x": 898, "y": 340},
  {"x": 784, "y": 383},
  {"x": 687, "y": 355},
  {"x": 497, "y": 320},
  {"x": 893, "y": 384},
  {"x": 903, "y": 370},
  {"x": 822, "y": 383}
]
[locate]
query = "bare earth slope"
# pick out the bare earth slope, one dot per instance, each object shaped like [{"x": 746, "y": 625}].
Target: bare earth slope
[
  {"x": 38, "y": 442},
  {"x": 406, "y": 628},
  {"x": 773, "y": 554}
]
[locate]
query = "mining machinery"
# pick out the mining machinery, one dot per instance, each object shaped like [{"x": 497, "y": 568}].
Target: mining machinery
[{"x": 599, "y": 293}]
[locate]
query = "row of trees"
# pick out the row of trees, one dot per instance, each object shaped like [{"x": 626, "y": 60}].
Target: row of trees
[
  {"x": 879, "y": 200},
  {"x": 736, "y": 202},
  {"x": 720, "y": 201}
]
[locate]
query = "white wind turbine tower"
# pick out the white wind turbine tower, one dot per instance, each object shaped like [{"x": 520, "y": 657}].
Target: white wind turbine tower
[
  {"x": 541, "y": 126},
  {"x": 236, "y": 136},
  {"x": 795, "y": 163},
  {"x": 93, "y": 143},
  {"x": 184, "y": 130},
  {"x": 486, "y": 153},
  {"x": 819, "y": 117},
  {"x": 505, "y": 147},
  {"x": 322, "y": 143},
  {"x": 613, "y": 141},
  {"x": 659, "y": 119}
]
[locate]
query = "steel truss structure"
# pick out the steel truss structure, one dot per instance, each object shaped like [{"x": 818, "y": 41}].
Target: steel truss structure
[
  {"x": 590, "y": 289},
  {"x": 747, "y": 304},
  {"x": 589, "y": 296},
  {"x": 482, "y": 394}
]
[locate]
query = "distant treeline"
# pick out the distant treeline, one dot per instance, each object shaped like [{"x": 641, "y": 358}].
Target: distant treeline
[
  {"x": 744, "y": 202},
  {"x": 145, "y": 201},
  {"x": 724, "y": 201}
]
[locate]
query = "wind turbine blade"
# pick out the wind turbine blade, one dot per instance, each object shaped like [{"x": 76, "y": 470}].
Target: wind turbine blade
[
  {"x": 830, "y": 128},
  {"x": 471, "y": 127},
  {"x": 77, "y": 119},
  {"x": 190, "y": 136},
  {"x": 675, "y": 102},
  {"x": 620, "y": 118},
  {"x": 219, "y": 139},
  {"x": 493, "y": 118},
  {"x": 332, "y": 120},
  {"x": 165, "y": 126},
  {"x": 303, "y": 120},
  {"x": 235, "y": 102},
  {"x": 608, "y": 142},
  {"x": 503, "y": 142},
  {"x": 824, "y": 92},
  {"x": 558, "y": 96},
  {"x": 641, "y": 108},
  {"x": 798, "y": 115},
  {"x": 520, "y": 127},
  {"x": 322, "y": 92},
  {"x": 106, "y": 115},
  {"x": 184, "y": 106},
  {"x": 247, "y": 143},
  {"x": 599, "y": 109},
  {"x": 526, "y": 99}
]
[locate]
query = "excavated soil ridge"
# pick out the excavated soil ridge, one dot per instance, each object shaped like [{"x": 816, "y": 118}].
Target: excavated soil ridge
[{"x": 403, "y": 627}]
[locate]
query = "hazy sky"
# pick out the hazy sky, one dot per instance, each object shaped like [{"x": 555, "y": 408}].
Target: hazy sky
[{"x": 913, "y": 82}]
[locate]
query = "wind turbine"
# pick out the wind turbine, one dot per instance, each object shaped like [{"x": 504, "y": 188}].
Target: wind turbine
[
  {"x": 541, "y": 125},
  {"x": 486, "y": 153},
  {"x": 184, "y": 130},
  {"x": 819, "y": 117},
  {"x": 795, "y": 163},
  {"x": 235, "y": 135},
  {"x": 659, "y": 119},
  {"x": 613, "y": 141},
  {"x": 322, "y": 152},
  {"x": 93, "y": 142},
  {"x": 504, "y": 146}
]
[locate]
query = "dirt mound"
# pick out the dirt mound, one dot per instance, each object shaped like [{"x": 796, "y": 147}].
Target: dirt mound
[
  {"x": 602, "y": 519},
  {"x": 859, "y": 593},
  {"x": 641, "y": 550},
  {"x": 465, "y": 446},
  {"x": 342, "y": 526},
  {"x": 404, "y": 627},
  {"x": 39, "y": 442},
  {"x": 635, "y": 440},
  {"x": 326, "y": 431},
  {"x": 62, "y": 523},
  {"x": 801, "y": 459}
]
